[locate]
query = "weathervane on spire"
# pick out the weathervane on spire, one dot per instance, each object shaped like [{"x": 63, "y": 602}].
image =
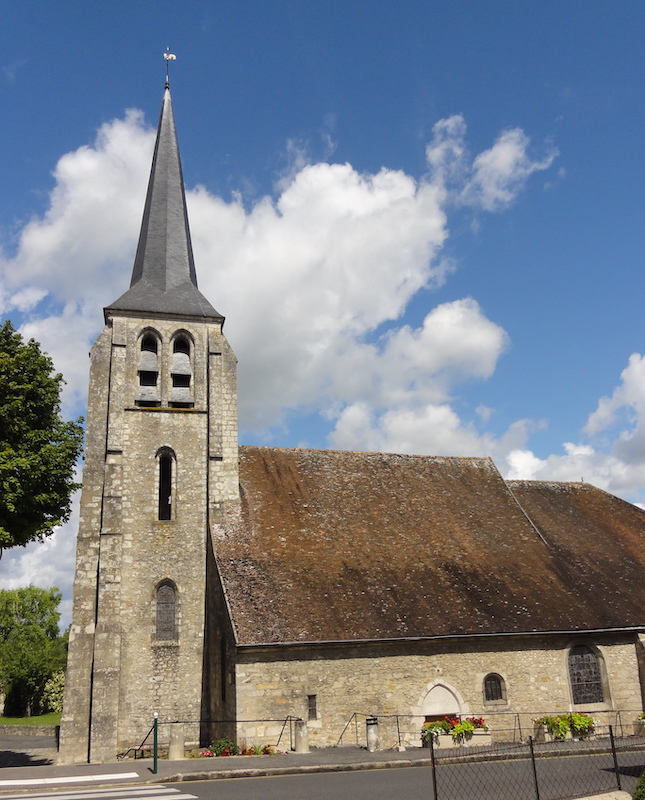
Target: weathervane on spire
[{"x": 169, "y": 57}]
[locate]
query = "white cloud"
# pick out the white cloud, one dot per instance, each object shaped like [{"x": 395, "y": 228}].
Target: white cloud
[
  {"x": 406, "y": 381},
  {"x": 80, "y": 249},
  {"x": 313, "y": 273},
  {"x": 491, "y": 181},
  {"x": 500, "y": 173},
  {"x": 615, "y": 460},
  {"x": 314, "y": 282},
  {"x": 523, "y": 464}
]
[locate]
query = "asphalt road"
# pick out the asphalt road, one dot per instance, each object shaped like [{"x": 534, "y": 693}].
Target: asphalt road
[
  {"x": 505, "y": 780},
  {"x": 25, "y": 751}
]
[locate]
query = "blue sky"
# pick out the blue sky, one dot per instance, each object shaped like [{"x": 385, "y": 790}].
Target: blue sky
[{"x": 422, "y": 220}]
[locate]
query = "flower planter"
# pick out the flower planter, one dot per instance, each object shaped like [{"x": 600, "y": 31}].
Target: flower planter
[
  {"x": 477, "y": 739},
  {"x": 444, "y": 740},
  {"x": 456, "y": 732},
  {"x": 639, "y": 727},
  {"x": 541, "y": 734}
]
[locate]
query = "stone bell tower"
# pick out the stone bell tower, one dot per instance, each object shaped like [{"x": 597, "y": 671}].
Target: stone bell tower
[{"x": 160, "y": 465}]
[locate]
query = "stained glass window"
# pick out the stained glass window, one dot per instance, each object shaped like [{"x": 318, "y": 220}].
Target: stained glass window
[{"x": 585, "y": 676}]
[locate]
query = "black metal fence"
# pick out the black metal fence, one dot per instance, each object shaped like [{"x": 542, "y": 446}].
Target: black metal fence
[
  {"x": 158, "y": 735},
  {"x": 404, "y": 730},
  {"x": 503, "y": 770},
  {"x": 548, "y": 771}
]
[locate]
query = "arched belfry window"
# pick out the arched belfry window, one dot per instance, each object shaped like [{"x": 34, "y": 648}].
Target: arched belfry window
[
  {"x": 166, "y": 477},
  {"x": 181, "y": 372},
  {"x": 494, "y": 688},
  {"x": 585, "y": 675},
  {"x": 166, "y": 612},
  {"x": 148, "y": 371}
]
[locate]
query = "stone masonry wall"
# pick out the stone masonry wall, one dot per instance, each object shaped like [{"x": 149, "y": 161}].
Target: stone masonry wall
[
  {"x": 397, "y": 679},
  {"x": 75, "y": 721},
  {"x": 118, "y": 674}
]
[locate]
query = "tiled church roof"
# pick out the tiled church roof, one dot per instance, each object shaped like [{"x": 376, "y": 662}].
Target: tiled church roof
[{"x": 337, "y": 546}]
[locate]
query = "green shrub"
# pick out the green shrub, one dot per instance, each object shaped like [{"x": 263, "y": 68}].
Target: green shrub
[
  {"x": 463, "y": 730},
  {"x": 431, "y": 730},
  {"x": 52, "y": 699},
  {"x": 639, "y": 791},
  {"x": 581, "y": 724},
  {"x": 558, "y": 727},
  {"x": 225, "y": 747}
]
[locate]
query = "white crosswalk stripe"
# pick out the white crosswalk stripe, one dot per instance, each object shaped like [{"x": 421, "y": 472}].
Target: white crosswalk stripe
[{"x": 153, "y": 792}]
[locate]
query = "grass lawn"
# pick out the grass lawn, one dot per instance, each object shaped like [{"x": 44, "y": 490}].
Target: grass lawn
[{"x": 43, "y": 719}]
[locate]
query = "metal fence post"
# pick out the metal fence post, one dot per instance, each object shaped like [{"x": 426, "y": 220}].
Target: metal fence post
[
  {"x": 613, "y": 753},
  {"x": 155, "y": 742},
  {"x": 535, "y": 777},
  {"x": 434, "y": 769}
]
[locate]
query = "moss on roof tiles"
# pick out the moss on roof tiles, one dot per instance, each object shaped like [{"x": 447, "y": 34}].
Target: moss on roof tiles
[{"x": 335, "y": 546}]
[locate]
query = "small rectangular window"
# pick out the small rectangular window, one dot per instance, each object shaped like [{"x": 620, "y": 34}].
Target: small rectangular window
[{"x": 312, "y": 712}]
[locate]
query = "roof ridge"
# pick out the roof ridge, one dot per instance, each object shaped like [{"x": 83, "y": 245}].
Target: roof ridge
[{"x": 363, "y": 452}]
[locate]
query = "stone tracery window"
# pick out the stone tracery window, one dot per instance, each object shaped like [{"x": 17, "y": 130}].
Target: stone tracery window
[{"x": 585, "y": 675}]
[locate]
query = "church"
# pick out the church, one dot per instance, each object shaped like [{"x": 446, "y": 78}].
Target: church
[{"x": 233, "y": 587}]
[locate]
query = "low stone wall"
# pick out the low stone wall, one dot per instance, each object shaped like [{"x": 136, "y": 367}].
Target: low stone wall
[{"x": 29, "y": 730}]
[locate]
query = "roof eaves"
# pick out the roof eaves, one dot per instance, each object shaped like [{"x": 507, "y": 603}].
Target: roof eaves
[{"x": 443, "y": 637}]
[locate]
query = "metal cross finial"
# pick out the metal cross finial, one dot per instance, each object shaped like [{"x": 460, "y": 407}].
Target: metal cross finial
[{"x": 169, "y": 57}]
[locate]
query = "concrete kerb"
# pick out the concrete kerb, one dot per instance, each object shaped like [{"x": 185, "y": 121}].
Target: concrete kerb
[{"x": 263, "y": 772}]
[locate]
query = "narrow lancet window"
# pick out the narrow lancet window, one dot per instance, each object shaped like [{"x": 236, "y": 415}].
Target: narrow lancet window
[
  {"x": 165, "y": 486},
  {"x": 166, "y": 613},
  {"x": 312, "y": 706}
]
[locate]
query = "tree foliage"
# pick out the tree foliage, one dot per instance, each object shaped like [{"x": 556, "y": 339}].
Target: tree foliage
[
  {"x": 38, "y": 450},
  {"x": 31, "y": 649},
  {"x": 639, "y": 791},
  {"x": 52, "y": 699}
]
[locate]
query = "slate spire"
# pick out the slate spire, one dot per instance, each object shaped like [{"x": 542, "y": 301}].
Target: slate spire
[{"x": 163, "y": 278}]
